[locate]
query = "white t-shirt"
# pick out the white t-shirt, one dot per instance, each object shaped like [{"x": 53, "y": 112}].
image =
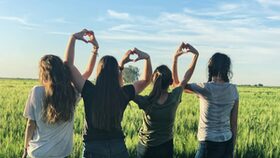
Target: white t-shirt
[
  {"x": 216, "y": 103},
  {"x": 49, "y": 140}
]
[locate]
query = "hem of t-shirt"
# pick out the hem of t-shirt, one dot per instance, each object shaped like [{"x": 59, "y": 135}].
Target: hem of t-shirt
[
  {"x": 213, "y": 140},
  {"x": 149, "y": 145},
  {"x": 87, "y": 139}
]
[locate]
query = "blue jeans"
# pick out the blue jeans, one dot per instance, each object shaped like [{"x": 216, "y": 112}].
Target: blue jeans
[
  {"x": 105, "y": 149},
  {"x": 209, "y": 149},
  {"x": 164, "y": 150}
]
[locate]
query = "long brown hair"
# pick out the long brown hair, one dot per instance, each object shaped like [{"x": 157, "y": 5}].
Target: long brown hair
[
  {"x": 107, "y": 106},
  {"x": 60, "y": 97},
  {"x": 161, "y": 79}
]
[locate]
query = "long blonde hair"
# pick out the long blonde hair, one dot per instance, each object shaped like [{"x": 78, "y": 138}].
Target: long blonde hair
[{"x": 60, "y": 96}]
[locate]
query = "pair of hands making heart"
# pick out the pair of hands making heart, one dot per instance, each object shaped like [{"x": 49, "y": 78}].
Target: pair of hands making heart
[
  {"x": 130, "y": 53},
  {"x": 82, "y": 34},
  {"x": 185, "y": 48}
]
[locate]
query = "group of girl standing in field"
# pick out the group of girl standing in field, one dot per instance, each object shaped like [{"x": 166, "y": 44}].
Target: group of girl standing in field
[{"x": 50, "y": 107}]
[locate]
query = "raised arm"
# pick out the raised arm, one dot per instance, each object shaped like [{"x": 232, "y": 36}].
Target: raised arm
[
  {"x": 175, "y": 77},
  {"x": 77, "y": 78},
  {"x": 93, "y": 56},
  {"x": 29, "y": 131},
  {"x": 189, "y": 72},
  {"x": 145, "y": 78}
]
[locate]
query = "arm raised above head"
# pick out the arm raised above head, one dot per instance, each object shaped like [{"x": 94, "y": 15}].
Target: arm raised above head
[
  {"x": 76, "y": 76},
  {"x": 93, "y": 56},
  {"x": 145, "y": 78},
  {"x": 190, "y": 70}
]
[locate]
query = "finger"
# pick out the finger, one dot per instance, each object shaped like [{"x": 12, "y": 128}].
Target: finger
[
  {"x": 84, "y": 30},
  {"x": 137, "y": 59},
  {"x": 84, "y": 40}
]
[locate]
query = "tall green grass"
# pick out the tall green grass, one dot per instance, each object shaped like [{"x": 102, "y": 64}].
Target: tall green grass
[{"x": 258, "y": 122}]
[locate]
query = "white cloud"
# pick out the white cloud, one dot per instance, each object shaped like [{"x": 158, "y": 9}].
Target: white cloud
[
  {"x": 62, "y": 21},
  {"x": 118, "y": 15},
  {"x": 229, "y": 7},
  {"x": 19, "y": 20},
  {"x": 59, "y": 33},
  {"x": 269, "y": 2},
  {"x": 273, "y": 17}
]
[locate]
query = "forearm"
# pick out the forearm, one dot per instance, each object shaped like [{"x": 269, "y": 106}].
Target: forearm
[
  {"x": 233, "y": 121},
  {"x": 146, "y": 76},
  {"x": 174, "y": 71},
  {"x": 70, "y": 51},
  {"x": 234, "y": 133},
  {"x": 90, "y": 66},
  {"x": 29, "y": 131},
  {"x": 190, "y": 70}
]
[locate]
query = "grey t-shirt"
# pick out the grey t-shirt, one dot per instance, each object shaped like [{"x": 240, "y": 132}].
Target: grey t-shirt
[
  {"x": 216, "y": 103},
  {"x": 49, "y": 140},
  {"x": 158, "y": 122}
]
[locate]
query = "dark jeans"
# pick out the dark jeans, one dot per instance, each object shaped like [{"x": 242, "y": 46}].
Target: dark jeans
[
  {"x": 105, "y": 149},
  {"x": 164, "y": 150},
  {"x": 209, "y": 149}
]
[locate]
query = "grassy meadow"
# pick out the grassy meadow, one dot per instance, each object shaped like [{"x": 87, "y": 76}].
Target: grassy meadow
[{"x": 258, "y": 129}]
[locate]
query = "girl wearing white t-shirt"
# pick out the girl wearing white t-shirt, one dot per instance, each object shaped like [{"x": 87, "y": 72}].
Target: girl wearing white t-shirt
[{"x": 50, "y": 108}]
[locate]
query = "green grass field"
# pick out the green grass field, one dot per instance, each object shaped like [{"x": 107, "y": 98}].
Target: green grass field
[{"x": 258, "y": 130}]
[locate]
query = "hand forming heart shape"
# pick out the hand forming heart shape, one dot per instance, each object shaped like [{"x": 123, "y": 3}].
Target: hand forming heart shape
[{"x": 86, "y": 33}]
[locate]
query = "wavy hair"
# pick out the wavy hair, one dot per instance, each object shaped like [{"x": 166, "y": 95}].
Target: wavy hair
[{"x": 60, "y": 96}]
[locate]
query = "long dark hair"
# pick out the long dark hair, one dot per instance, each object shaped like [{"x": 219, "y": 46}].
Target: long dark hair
[
  {"x": 107, "y": 105},
  {"x": 60, "y": 97},
  {"x": 219, "y": 65},
  {"x": 161, "y": 79}
]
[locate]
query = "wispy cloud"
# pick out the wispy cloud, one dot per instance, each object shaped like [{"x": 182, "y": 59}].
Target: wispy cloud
[
  {"x": 22, "y": 21},
  {"x": 61, "y": 21},
  {"x": 59, "y": 33},
  {"x": 269, "y": 2},
  {"x": 274, "y": 17},
  {"x": 118, "y": 15}
]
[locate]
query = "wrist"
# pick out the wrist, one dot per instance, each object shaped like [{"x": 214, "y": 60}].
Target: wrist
[
  {"x": 148, "y": 57},
  {"x": 121, "y": 68},
  {"x": 121, "y": 64},
  {"x": 73, "y": 37}
]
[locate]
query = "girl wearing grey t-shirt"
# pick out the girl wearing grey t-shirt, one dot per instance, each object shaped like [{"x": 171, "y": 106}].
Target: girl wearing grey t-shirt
[
  {"x": 50, "y": 109},
  {"x": 217, "y": 129}
]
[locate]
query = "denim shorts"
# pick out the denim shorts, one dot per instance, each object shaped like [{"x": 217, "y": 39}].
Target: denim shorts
[
  {"x": 164, "y": 150},
  {"x": 209, "y": 149},
  {"x": 105, "y": 149}
]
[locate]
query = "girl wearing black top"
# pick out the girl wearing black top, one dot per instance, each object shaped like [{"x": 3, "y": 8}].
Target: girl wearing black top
[{"x": 106, "y": 100}]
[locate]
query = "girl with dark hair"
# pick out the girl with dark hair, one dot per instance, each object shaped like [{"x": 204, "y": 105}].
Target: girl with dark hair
[
  {"x": 50, "y": 110},
  {"x": 217, "y": 129},
  {"x": 156, "y": 133},
  {"x": 106, "y": 100}
]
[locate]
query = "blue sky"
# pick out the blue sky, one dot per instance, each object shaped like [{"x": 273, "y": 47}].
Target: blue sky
[{"x": 247, "y": 30}]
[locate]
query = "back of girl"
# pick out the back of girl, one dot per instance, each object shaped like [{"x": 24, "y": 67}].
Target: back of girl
[
  {"x": 156, "y": 133},
  {"x": 50, "y": 110},
  {"x": 218, "y": 110},
  {"x": 105, "y": 100}
]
